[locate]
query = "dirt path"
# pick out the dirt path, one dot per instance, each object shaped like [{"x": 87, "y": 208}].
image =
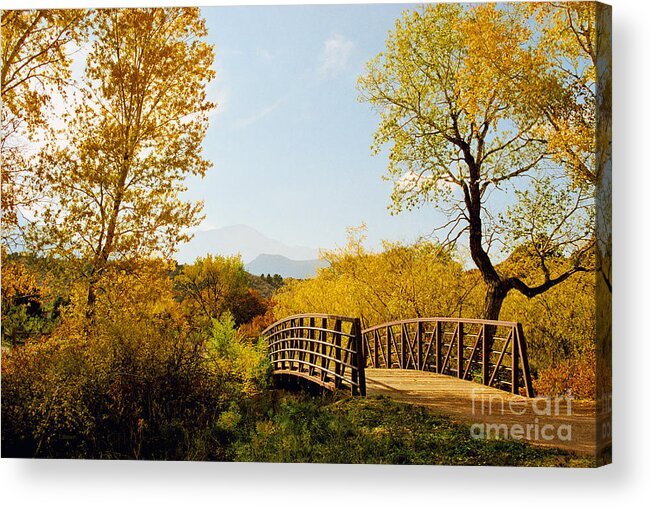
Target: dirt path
[{"x": 561, "y": 423}]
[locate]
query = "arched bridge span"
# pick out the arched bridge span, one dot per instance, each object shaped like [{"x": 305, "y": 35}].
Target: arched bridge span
[{"x": 333, "y": 351}]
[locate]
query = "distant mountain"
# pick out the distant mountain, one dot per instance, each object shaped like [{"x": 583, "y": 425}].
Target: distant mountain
[
  {"x": 287, "y": 268},
  {"x": 243, "y": 240}
]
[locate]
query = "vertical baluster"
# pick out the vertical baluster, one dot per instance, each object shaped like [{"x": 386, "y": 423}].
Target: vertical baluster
[
  {"x": 292, "y": 345},
  {"x": 356, "y": 345},
  {"x": 325, "y": 363},
  {"x": 360, "y": 359},
  {"x": 337, "y": 344},
  {"x": 403, "y": 347},
  {"x": 356, "y": 348},
  {"x": 419, "y": 345},
  {"x": 285, "y": 336},
  {"x": 460, "y": 350},
  {"x": 515, "y": 359},
  {"x": 485, "y": 355},
  {"x": 310, "y": 336},
  {"x": 388, "y": 335},
  {"x": 376, "y": 347},
  {"x": 437, "y": 342},
  {"x": 281, "y": 345},
  {"x": 526, "y": 373},
  {"x": 285, "y": 343},
  {"x": 296, "y": 345},
  {"x": 270, "y": 347}
]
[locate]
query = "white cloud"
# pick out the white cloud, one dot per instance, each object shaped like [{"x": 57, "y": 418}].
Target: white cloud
[
  {"x": 250, "y": 120},
  {"x": 219, "y": 94},
  {"x": 335, "y": 55},
  {"x": 413, "y": 181},
  {"x": 218, "y": 91}
]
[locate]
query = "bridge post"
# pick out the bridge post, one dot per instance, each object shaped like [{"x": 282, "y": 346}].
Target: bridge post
[
  {"x": 292, "y": 344},
  {"x": 323, "y": 336},
  {"x": 299, "y": 344},
  {"x": 419, "y": 344},
  {"x": 460, "y": 350},
  {"x": 485, "y": 355},
  {"x": 283, "y": 346},
  {"x": 310, "y": 336},
  {"x": 388, "y": 334},
  {"x": 526, "y": 373},
  {"x": 403, "y": 346},
  {"x": 358, "y": 373},
  {"x": 336, "y": 338},
  {"x": 376, "y": 348},
  {"x": 515, "y": 361},
  {"x": 437, "y": 338}
]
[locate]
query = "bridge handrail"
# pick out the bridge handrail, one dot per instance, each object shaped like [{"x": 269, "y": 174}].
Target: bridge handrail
[
  {"x": 503, "y": 323},
  {"x": 343, "y": 318}
]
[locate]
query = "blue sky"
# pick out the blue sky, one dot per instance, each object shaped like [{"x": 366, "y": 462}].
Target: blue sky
[{"x": 289, "y": 141}]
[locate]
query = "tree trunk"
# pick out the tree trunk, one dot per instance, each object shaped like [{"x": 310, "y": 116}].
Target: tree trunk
[
  {"x": 101, "y": 258},
  {"x": 91, "y": 297},
  {"x": 495, "y": 296}
]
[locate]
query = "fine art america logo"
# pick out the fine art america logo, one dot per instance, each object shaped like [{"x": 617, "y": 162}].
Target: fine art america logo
[{"x": 541, "y": 419}]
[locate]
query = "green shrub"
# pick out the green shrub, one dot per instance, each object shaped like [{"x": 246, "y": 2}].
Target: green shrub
[{"x": 138, "y": 383}]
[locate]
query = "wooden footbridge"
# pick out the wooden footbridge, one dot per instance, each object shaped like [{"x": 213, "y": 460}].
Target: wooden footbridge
[
  {"x": 334, "y": 352},
  {"x": 476, "y": 371}
]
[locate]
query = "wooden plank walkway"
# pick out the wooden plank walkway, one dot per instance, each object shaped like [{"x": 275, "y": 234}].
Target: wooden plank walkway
[{"x": 562, "y": 423}]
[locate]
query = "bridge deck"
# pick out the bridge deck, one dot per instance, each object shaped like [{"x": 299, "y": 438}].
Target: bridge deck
[{"x": 574, "y": 427}]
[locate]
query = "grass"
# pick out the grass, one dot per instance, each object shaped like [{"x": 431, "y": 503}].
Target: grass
[{"x": 302, "y": 429}]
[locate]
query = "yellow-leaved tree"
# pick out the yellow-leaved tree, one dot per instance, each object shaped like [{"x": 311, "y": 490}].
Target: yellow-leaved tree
[
  {"x": 35, "y": 47},
  {"x": 214, "y": 286},
  {"x": 114, "y": 178},
  {"x": 449, "y": 92}
]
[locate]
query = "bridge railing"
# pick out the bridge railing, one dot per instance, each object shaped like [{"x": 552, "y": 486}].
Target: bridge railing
[
  {"x": 492, "y": 353},
  {"x": 325, "y": 349}
]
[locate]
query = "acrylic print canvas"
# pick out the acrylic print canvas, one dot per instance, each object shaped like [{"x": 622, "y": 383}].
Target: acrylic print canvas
[{"x": 369, "y": 234}]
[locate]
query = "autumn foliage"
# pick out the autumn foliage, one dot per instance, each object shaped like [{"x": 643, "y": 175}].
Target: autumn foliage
[
  {"x": 111, "y": 349},
  {"x": 144, "y": 383}
]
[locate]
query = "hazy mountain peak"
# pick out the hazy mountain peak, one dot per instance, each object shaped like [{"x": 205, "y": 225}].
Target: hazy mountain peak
[
  {"x": 287, "y": 268},
  {"x": 240, "y": 239}
]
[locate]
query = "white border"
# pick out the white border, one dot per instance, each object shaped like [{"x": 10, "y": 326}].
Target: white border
[{"x": 627, "y": 481}]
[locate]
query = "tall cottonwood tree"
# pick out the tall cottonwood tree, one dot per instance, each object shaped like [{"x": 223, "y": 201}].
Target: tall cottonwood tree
[
  {"x": 115, "y": 179},
  {"x": 448, "y": 92},
  {"x": 35, "y": 48}
]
